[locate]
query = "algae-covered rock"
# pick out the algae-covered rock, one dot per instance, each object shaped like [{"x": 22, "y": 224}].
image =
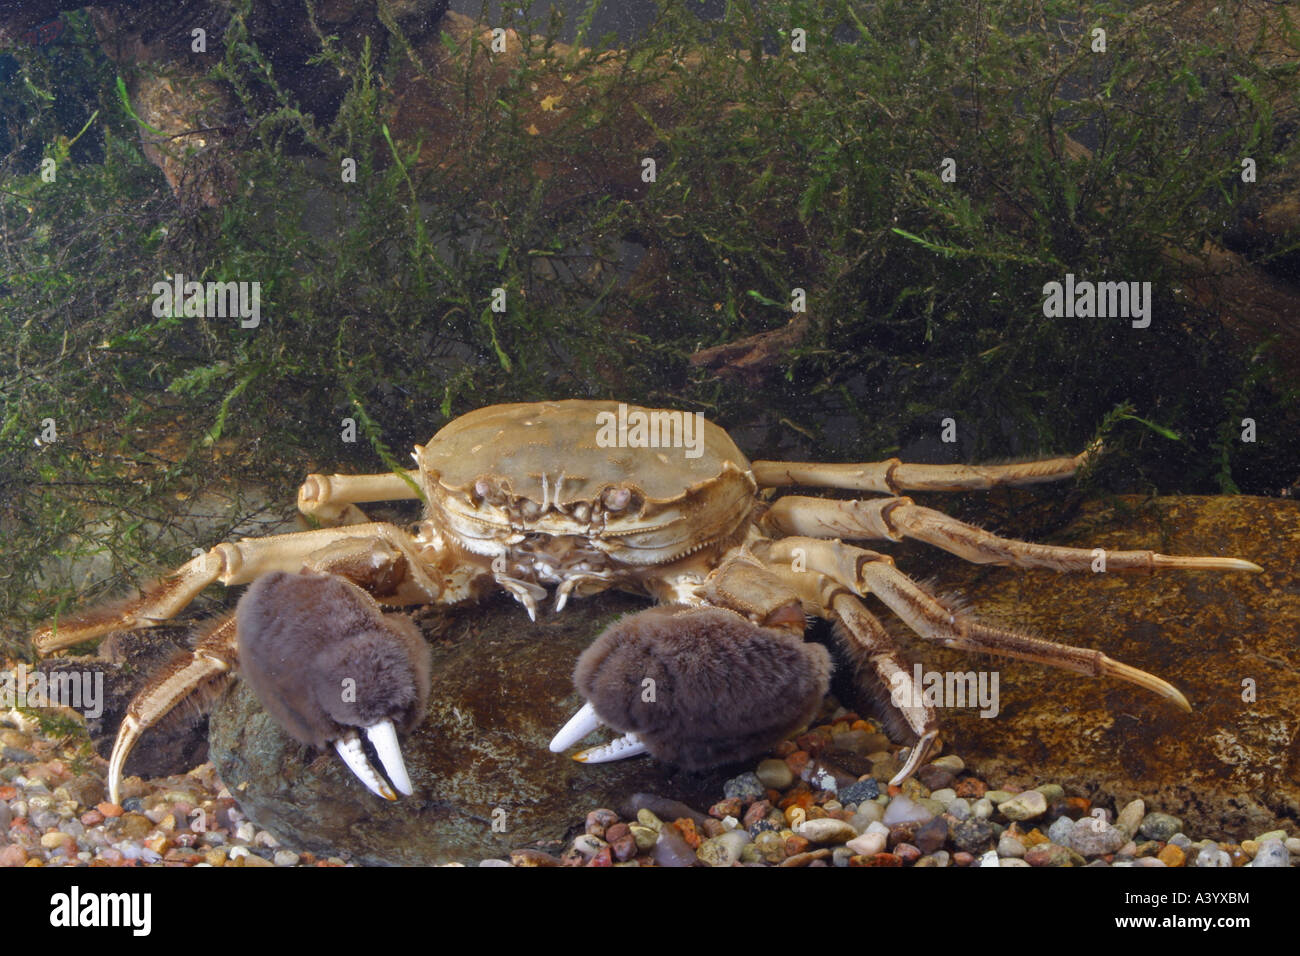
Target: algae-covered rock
[
  {"x": 1229, "y": 641},
  {"x": 502, "y": 687}
]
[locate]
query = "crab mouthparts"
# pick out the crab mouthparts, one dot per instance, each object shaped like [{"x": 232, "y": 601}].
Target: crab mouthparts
[
  {"x": 583, "y": 723},
  {"x": 383, "y": 737}
]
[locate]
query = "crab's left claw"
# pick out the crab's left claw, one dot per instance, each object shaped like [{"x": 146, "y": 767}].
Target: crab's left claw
[
  {"x": 383, "y": 737},
  {"x": 326, "y": 663},
  {"x": 696, "y": 687}
]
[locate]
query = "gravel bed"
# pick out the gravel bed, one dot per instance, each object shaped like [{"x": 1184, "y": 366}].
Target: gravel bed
[{"x": 820, "y": 799}]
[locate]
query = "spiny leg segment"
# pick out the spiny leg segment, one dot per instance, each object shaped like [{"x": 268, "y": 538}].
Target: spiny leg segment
[
  {"x": 867, "y": 572},
  {"x": 896, "y": 518},
  {"x": 869, "y": 644},
  {"x": 214, "y": 657},
  {"x": 893, "y": 476},
  {"x": 377, "y": 555}
]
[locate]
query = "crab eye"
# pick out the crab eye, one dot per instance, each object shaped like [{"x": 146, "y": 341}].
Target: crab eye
[
  {"x": 616, "y": 499},
  {"x": 581, "y": 511},
  {"x": 482, "y": 488}
]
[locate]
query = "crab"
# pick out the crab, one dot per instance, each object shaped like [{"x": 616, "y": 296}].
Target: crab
[{"x": 581, "y": 496}]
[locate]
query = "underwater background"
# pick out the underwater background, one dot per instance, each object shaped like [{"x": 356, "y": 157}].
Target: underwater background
[{"x": 835, "y": 243}]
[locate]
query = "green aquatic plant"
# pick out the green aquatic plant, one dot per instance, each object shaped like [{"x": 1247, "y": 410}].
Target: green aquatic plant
[{"x": 421, "y": 290}]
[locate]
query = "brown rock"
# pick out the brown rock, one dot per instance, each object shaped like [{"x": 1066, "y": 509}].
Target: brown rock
[
  {"x": 623, "y": 847},
  {"x": 1219, "y": 769},
  {"x": 876, "y": 859},
  {"x": 530, "y": 857},
  {"x": 712, "y": 827},
  {"x": 599, "y": 820},
  {"x": 932, "y": 835},
  {"x": 478, "y": 749},
  {"x": 797, "y": 761},
  {"x": 936, "y": 778},
  {"x": 811, "y": 858},
  {"x": 730, "y": 807},
  {"x": 812, "y": 743},
  {"x": 903, "y": 833},
  {"x": 134, "y": 826},
  {"x": 907, "y": 853},
  {"x": 1171, "y": 855},
  {"x": 757, "y": 811},
  {"x": 616, "y": 832},
  {"x": 1048, "y": 854}
]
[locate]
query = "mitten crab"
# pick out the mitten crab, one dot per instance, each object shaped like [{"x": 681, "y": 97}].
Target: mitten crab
[{"x": 581, "y": 496}]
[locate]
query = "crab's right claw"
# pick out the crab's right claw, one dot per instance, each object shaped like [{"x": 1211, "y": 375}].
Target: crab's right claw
[
  {"x": 584, "y": 722},
  {"x": 695, "y": 687}
]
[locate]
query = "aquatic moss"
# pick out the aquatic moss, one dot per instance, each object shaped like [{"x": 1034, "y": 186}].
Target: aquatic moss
[{"x": 775, "y": 170}]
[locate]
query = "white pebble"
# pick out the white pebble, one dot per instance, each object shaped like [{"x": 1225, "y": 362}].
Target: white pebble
[
  {"x": 266, "y": 839},
  {"x": 989, "y": 859},
  {"x": 288, "y": 858},
  {"x": 869, "y": 843},
  {"x": 246, "y": 832},
  {"x": 903, "y": 810},
  {"x": 826, "y": 830}
]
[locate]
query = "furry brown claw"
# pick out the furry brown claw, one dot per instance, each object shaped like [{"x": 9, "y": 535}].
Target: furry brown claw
[{"x": 701, "y": 686}]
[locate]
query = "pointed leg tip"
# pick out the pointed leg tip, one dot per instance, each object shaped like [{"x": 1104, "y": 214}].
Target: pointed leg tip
[
  {"x": 1192, "y": 563},
  {"x": 920, "y": 750},
  {"x": 1141, "y": 678}
]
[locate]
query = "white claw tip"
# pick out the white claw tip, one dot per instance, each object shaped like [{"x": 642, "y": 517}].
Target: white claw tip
[
  {"x": 349, "y": 748},
  {"x": 383, "y": 737},
  {"x": 579, "y": 725}
]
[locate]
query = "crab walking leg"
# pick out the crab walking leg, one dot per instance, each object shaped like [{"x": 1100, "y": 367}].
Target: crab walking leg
[
  {"x": 331, "y": 498},
  {"x": 894, "y": 476},
  {"x": 874, "y": 647},
  {"x": 866, "y": 572},
  {"x": 382, "y": 557},
  {"x": 214, "y": 657},
  {"x": 897, "y": 518},
  {"x": 870, "y": 645}
]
